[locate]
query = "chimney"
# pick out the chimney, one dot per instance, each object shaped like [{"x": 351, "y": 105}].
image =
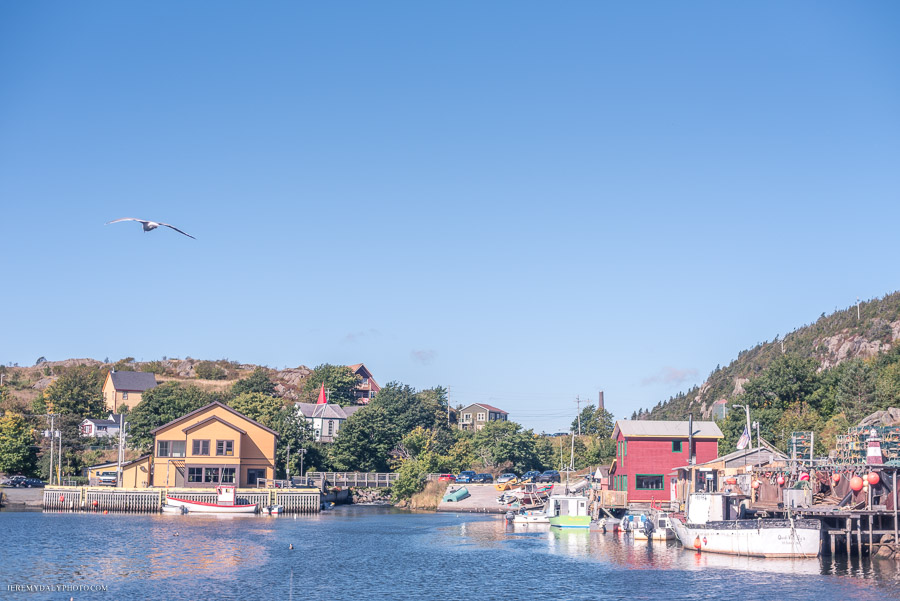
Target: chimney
[{"x": 600, "y": 401}]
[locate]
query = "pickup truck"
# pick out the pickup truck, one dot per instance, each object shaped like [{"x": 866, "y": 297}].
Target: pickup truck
[{"x": 107, "y": 478}]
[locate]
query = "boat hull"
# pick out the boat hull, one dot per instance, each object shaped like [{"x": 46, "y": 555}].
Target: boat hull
[
  {"x": 660, "y": 535},
  {"x": 199, "y": 507},
  {"x": 571, "y": 521},
  {"x": 531, "y": 517},
  {"x": 754, "y": 538}
]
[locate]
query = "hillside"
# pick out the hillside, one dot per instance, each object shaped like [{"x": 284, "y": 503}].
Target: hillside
[
  {"x": 830, "y": 341},
  {"x": 25, "y": 383}
]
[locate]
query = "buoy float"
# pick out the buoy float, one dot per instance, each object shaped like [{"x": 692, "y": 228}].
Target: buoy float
[
  {"x": 873, "y": 478},
  {"x": 61, "y": 498},
  {"x": 856, "y": 484},
  {"x": 836, "y": 478},
  {"x": 755, "y": 484},
  {"x": 804, "y": 477},
  {"x": 697, "y": 543},
  {"x": 105, "y": 512},
  {"x": 95, "y": 503},
  {"x": 780, "y": 480}
]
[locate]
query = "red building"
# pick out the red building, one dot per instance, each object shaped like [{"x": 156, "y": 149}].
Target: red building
[
  {"x": 647, "y": 453},
  {"x": 368, "y": 387}
]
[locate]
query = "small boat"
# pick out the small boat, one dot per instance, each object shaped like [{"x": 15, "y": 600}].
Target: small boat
[
  {"x": 225, "y": 503},
  {"x": 456, "y": 495},
  {"x": 568, "y": 511},
  {"x": 529, "y": 516},
  {"x": 273, "y": 509},
  {"x": 715, "y": 524},
  {"x": 656, "y": 527},
  {"x": 174, "y": 509}
]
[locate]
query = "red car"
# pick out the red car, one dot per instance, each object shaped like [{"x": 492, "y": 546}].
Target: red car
[{"x": 447, "y": 478}]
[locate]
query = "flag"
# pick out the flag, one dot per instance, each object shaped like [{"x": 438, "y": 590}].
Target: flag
[
  {"x": 744, "y": 440},
  {"x": 322, "y": 399}
]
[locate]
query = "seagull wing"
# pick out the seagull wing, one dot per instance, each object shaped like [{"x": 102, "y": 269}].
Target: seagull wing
[
  {"x": 178, "y": 230},
  {"x": 128, "y": 219}
]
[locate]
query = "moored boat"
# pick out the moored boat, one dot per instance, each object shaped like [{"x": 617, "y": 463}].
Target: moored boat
[
  {"x": 713, "y": 525},
  {"x": 568, "y": 511},
  {"x": 657, "y": 527},
  {"x": 225, "y": 503}
]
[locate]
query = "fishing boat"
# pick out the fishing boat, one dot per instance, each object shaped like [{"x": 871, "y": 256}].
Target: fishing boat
[
  {"x": 529, "y": 516},
  {"x": 273, "y": 509},
  {"x": 715, "y": 523},
  {"x": 657, "y": 526},
  {"x": 568, "y": 511},
  {"x": 225, "y": 503}
]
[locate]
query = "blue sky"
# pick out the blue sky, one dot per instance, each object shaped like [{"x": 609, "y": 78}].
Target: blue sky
[{"x": 522, "y": 202}]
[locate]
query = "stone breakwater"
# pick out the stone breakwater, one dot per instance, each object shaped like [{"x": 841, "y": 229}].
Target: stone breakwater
[{"x": 363, "y": 496}]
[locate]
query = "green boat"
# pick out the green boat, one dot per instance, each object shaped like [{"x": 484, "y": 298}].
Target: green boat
[
  {"x": 568, "y": 511},
  {"x": 457, "y": 495}
]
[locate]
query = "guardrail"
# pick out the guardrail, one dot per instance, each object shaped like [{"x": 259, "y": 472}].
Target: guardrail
[{"x": 364, "y": 479}]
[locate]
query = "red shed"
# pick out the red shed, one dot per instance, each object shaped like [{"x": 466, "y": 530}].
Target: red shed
[{"x": 648, "y": 451}]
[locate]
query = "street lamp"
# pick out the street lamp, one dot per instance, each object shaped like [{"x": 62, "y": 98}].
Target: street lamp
[{"x": 302, "y": 453}]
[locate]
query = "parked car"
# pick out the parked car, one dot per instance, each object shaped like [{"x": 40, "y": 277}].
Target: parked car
[
  {"x": 483, "y": 479},
  {"x": 529, "y": 476},
  {"x": 446, "y": 478},
  {"x": 32, "y": 483},
  {"x": 465, "y": 476},
  {"x": 107, "y": 478},
  {"x": 16, "y": 481},
  {"x": 507, "y": 478},
  {"x": 548, "y": 476}
]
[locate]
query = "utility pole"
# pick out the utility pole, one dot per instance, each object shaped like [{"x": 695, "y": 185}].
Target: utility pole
[
  {"x": 121, "y": 456},
  {"x": 578, "y": 401},
  {"x": 59, "y": 459},
  {"x": 52, "y": 444},
  {"x": 857, "y": 308},
  {"x": 287, "y": 467},
  {"x": 302, "y": 453},
  {"x": 448, "y": 405}
]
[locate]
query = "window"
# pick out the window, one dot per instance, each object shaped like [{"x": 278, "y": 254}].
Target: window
[
  {"x": 365, "y": 381},
  {"x": 195, "y": 474},
  {"x": 371, "y": 394},
  {"x": 481, "y": 417},
  {"x": 178, "y": 448},
  {"x": 649, "y": 481},
  {"x": 467, "y": 418},
  {"x": 162, "y": 448},
  {"x": 255, "y": 474},
  {"x": 676, "y": 446},
  {"x": 225, "y": 447},
  {"x": 125, "y": 396},
  {"x": 330, "y": 427},
  {"x": 210, "y": 474},
  {"x": 227, "y": 475},
  {"x": 200, "y": 447}
]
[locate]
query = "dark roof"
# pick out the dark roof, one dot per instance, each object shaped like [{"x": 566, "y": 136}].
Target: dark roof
[
  {"x": 137, "y": 381},
  {"x": 204, "y": 408},
  {"x": 491, "y": 408},
  {"x": 102, "y": 422}
]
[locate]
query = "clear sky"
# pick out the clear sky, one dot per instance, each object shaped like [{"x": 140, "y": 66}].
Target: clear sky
[{"x": 526, "y": 202}]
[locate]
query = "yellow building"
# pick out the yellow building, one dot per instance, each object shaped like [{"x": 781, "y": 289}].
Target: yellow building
[
  {"x": 214, "y": 444},
  {"x": 126, "y": 388},
  {"x": 135, "y": 473}
]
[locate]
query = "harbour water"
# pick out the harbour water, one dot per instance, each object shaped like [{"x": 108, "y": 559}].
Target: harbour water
[{"x": 356, "y": 552}]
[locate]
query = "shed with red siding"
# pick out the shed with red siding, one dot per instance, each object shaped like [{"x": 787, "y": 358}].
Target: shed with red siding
[{"x": 647, "y": 452}]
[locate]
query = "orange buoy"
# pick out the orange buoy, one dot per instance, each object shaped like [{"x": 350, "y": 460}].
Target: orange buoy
[
  {"x": 780, "y": 480},
  {"x": 804, "y": 477},
  {"x": 61, "y": 498},
  {"x": 873, "y": 478},
  {"x": 95, "y": 503},
  {"x": 755, "y": 484},
  {"x": 836, "y": 478},
  {"x": 105, "y": 512},
  {"x": 697, "y": 543},
  {"x": 856, "y": 484}
]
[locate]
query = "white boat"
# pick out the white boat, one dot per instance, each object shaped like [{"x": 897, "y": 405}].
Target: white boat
[
  {"x": 225, "y": 503},
  {"x": 657, "y": 526},
  {"x": 568, "y": 511},
  {"x": 713, "y": 525},
  {"x": 529, "y": 516},
  {"x": 273, "y": 509},
  {"x": 176, "y": 509}
]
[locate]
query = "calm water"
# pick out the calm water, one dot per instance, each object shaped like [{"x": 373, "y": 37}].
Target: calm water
[{"x": 358, "y": 552}]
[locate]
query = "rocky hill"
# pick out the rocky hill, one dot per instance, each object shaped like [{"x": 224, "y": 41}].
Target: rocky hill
[
  {"x": 24, "y": 383},
  {"x": 830, "y": 340}
]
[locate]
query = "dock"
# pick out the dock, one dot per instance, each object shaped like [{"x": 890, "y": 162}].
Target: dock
[{"x": 150, "y": 500}]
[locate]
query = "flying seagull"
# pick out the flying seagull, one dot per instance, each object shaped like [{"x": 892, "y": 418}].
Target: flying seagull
[{"x": 150, "y": 225}]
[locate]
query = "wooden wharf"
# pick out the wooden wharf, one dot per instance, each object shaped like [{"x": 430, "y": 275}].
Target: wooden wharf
[
  {"x": 355, "y": 479},
  {"x": 150, "y": 500}
]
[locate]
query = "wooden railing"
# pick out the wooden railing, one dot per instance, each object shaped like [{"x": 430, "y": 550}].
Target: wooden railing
[
  {"x": 344, "y": 479},
  {"x": 612, "y": 498}
]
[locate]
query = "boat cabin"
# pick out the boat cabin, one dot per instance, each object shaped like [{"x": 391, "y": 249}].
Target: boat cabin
[{"x": 715, "y": 507}]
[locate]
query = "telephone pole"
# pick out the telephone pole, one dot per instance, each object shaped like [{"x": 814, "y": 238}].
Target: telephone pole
[
  {"x": 578, "y": 401},
  {"x": 52, "y": 444}
]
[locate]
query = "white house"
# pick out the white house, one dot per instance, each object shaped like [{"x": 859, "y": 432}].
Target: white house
[
  {"x": 96, "y": 428},
  {"x": 326, "y": 418}
]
